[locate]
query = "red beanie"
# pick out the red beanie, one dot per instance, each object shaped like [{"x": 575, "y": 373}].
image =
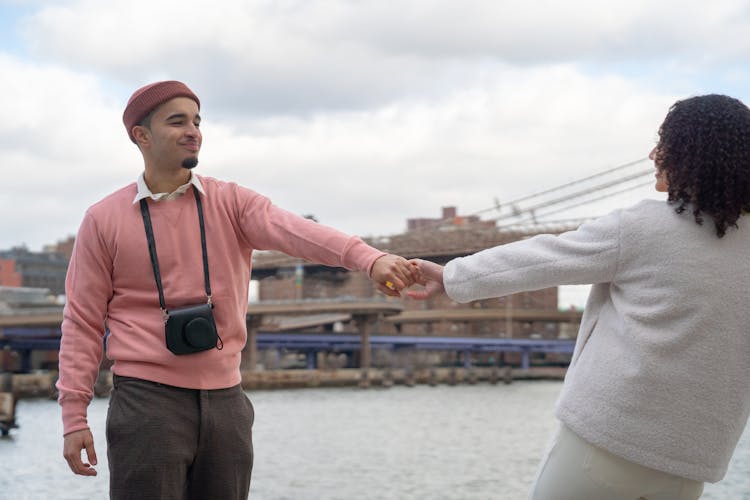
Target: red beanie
[{"x": 148, "y": 98}]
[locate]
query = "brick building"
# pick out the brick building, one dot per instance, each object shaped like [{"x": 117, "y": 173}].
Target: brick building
[
  {"x": 20, "y": 267},
  {"x": 62, "y": 247},
  {"x": 449, "y": 219}
]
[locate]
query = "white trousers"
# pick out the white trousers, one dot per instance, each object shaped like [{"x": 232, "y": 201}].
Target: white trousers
[{"x": 573, "y": 469}]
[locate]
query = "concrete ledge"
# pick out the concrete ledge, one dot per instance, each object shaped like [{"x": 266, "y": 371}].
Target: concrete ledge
[
  {"x": 289, "y": 379},
  {"x": 37, "y": 385},
  {"x": 33, "y": 385}
]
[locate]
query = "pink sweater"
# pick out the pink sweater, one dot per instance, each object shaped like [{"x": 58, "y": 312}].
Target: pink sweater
[{"x": 110, "y": 284}]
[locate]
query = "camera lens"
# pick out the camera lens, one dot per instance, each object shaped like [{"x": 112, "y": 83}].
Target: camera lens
[{"x": 199, "y": 333}]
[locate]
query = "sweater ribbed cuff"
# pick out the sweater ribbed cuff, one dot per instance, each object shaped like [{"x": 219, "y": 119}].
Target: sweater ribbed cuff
[{"x": 74, "y": 417}]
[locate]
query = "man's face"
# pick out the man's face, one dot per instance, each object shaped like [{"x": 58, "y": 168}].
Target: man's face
[{"x": 174, "y": 132}]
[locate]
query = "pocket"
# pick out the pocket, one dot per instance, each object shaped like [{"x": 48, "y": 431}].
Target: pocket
[
  {"x": 584, "y": 334},
  {"x": 691, "y": 489},
  {"x": 611, "y": 471},
  {"x": 130, "y": 401},
  {"x": 250, "y": 409},
  {"x": 113, "y": 417},
  {"x": 541, "y": 482}
]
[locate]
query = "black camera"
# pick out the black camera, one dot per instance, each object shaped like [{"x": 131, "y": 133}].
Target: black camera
[
  {"x": 191, "y": 329},
  {"x": 187, "y": 329}
]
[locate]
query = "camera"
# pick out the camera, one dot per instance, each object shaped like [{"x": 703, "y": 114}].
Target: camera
[{"x": 191, "y": 329}]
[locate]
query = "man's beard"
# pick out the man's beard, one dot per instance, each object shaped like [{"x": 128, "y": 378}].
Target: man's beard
[{"x": 190, "y": 162}]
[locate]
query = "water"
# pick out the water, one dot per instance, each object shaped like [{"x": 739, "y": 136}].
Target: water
[{"x": 452, "y": 443}]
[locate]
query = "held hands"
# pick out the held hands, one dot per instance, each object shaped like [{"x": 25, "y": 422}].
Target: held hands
[
  {"x": 392, "y": 274},
  {"x": 72, "y": 446}
]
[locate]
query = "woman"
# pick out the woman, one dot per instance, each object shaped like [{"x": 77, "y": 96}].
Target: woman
[{"x": 658, "y": 390}]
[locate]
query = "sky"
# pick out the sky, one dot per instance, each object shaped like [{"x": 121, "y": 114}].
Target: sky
[{"x": 362, "y": 113}]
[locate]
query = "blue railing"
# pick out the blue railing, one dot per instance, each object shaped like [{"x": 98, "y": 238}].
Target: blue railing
[
  {"x": 26, "y": 340},
  {"x": 313, "y": 343}
]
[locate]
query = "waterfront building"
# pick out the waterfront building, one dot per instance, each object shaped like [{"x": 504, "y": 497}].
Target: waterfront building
[{"x": 20, "y": 267}]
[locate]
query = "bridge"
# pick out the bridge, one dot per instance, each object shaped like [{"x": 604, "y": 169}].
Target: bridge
[
  {"x": 25, "y": 334},
  {"x": 25, "y": 341},
  {"x": 311, "y": 344}
]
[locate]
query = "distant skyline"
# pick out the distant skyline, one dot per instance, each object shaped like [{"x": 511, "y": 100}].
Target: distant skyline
[{"x": 363, "y": 113}]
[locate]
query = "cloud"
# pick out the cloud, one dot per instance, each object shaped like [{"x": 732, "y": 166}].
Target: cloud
[
  {"x": 362, "y": 113},
  {"x": 366, "y": 172},
  {"x": 60, "y": 147},
  {"x": 295, "y": 57},
  {"x": 549, "y": 31}
]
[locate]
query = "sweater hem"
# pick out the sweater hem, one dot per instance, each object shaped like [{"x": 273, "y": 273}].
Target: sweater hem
[{"x": 617, "y": 446}]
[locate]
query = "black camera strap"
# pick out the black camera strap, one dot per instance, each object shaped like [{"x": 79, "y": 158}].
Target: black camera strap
[{"x": 155, "y": 261}]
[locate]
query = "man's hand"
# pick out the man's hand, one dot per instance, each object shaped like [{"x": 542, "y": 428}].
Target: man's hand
[
  {"x": 431, "y": 276},
  {"x": 72, "y": 446},
  {"x": 392, "y": 274}
]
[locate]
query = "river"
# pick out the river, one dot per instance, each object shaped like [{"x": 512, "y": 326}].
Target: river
[{"x": 439, "y": 443}]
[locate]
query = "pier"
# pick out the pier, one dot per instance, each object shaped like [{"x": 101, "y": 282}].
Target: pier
[
  {"x": 312, "y": 344},
  {"x": 25, "y": 335}
]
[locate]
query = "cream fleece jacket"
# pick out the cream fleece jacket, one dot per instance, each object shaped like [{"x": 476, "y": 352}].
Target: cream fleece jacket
[
  {"x": 661, "y": 370},
  {"x": 110, "y": 284}
]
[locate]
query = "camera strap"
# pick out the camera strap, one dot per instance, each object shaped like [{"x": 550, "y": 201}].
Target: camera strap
[{"x": 155, "y": 261}]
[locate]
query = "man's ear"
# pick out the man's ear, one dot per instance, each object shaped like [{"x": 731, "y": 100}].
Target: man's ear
[{"x": 142, "y": 135}]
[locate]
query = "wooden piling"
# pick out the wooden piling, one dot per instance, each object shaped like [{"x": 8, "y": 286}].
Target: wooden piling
[
  {"x": 507, "y": 375},
  {"x": 7, "y": 412}
]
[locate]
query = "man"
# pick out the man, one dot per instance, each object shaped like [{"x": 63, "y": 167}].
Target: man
[{"x": 179, "y": 425}]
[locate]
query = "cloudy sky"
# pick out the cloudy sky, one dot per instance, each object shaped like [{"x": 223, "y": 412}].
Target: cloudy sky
[{"x": 361, "y": 112}]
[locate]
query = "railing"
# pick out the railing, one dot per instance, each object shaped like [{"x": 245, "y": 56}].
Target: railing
[
  {"x": 27, "y": 334},
  {"x": 311, "y": 344},
  {"x": 24, "y": 341}
]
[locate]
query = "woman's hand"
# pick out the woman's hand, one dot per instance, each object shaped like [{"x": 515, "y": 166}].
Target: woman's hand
[{"x": 431, "y": 277}]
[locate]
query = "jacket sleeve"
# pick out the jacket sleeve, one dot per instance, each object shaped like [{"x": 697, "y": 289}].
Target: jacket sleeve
[
  {"x": 88, "y": 289},
  {"x": 585, "y": 256}
]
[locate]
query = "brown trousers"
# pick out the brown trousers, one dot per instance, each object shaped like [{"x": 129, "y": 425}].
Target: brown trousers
[{"x": 169, "y": 443}]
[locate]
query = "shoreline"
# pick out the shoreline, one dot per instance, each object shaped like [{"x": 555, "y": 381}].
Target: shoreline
[
  {"x": 41, "y": 384},
  {"x": 387, "y": 377}
]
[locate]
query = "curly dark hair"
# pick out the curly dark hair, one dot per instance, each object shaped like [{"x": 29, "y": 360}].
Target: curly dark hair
[{"x": 704, "y": 150}]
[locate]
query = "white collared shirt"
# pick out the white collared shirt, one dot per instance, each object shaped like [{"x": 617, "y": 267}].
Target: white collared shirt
[{"x": 145, "y": 192}]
